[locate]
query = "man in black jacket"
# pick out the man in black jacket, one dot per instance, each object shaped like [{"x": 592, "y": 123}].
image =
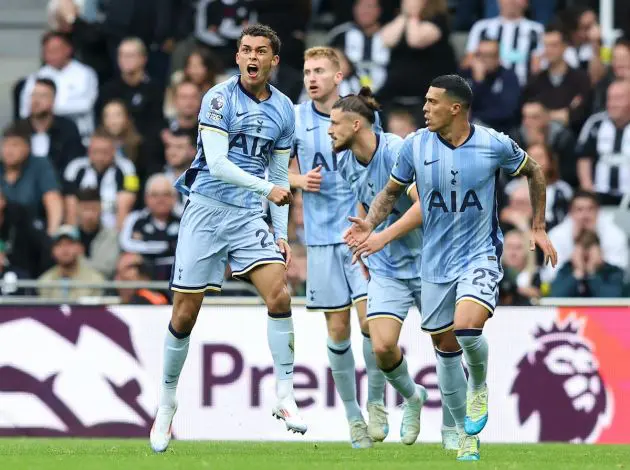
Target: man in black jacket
[
  {"x": 26, "y": 246},
  {"x": 54, "y": 137}
]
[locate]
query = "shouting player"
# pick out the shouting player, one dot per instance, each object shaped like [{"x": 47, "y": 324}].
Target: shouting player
[
  {"x": 365, "y": 160},
  {"x": 456, "y": 166},
  {"x": 333, "y": 282},
  {"x": 245, "y": 125}
]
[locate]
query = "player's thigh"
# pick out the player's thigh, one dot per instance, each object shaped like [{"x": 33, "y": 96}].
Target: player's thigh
[
  {"x": 338, "y": 324},
  {"x": 186, "y": 308},
  {"x": 251, "y": 247},
  {"x": 477, "y": 296},
  {"x": 388, "y": 298},
  {"x": 326, "y": 286},
  {"x": 384, "y": 334},
  {"x": 361, "y": 308},
  {"x": 438, "y": 306},
  {"x": 270, "y": 281},
  {"x": 201, "y": 252}
]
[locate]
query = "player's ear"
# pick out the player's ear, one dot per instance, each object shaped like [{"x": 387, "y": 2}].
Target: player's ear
[
  {"x": 275, "y": 60},
  {"x": 455, "y": 108},
  {"x": 338, "y": 77}
]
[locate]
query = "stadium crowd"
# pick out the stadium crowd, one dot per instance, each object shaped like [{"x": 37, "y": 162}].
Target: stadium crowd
[{"x": 109, "y": 121}]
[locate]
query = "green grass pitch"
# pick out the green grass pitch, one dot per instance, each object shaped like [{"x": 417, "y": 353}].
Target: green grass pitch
[{"x": 82, "y": 454}]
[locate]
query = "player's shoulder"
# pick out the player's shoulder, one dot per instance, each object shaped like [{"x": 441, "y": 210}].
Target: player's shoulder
[
  {"x": 491, "y": 135},
  {"x": 418, "y": 135},
  {"x": 280, "y": 99},
  {"x": 217, "y": 99},
  {"x": 392, "y": 141}
]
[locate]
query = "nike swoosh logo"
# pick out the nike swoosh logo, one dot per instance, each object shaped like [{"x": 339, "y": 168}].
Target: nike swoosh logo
[
  {"x": 354, "y": 178},
  {"x": 241, "y": 114},
  {"x": 169, "y": 382},
  {"x": 431, "y": 162},
  {"x": 309, "y": 129}
]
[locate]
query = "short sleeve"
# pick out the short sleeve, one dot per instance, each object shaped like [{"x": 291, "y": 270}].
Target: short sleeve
[
  {"x": 403, "y": 171},
  {"x": 284, "y": 144},
  {"x": 513, "y": 158},
  {"x": 46, "y": 176},
  {"x": 215, "y": 111},
  {"x": 587, "y": 140}
]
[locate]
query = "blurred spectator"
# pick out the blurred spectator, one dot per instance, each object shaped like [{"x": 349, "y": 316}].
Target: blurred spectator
[
  {"x": 154, "y": 22},
  {"x": 467, "y": 11},
  {"x": 140, "y": 93},
  {"x": 351, "y": 83},
  {"x": 362, "y": 43},
  {"x": 30, "y": 181},
  {"x": 180, "y": 152},
  {"x": 77, "y": 85},
  {"x": 537, "y": 128},
  {"x": 187, "y": 101},
  {"x": 519, "y": 264},
  {"x": 201, "y": 68},
  {"x": 584, "y": 33},
  {"x": 587, "y": 274},
  {"x": 100, "y": 244},
  {"x": 520, "y": 39},
  {"x": 401, "y": 122},
  {"x": 420, "y": 51},
  {"x": 559, "y": 193},
  {"x": 288, "y": 18},
  {"x": 296, "y": 271},
  {"x": 10, "y": 274},
  {"x": 131, "y": 267},
  {"x": 563, "y": 90},
  {"x": 518, "y": 213},
  {"x": 510, "y": 296},
  {"x": 67, "y": 252},
  {"x": 618, "y": 70},
  {"x": 496, "y": 91},
  {"x": 53, "y": 137},
  {"x": 153, "y": 231},
  {"x": 113, "y": 176},
  {"x": 117, "y": 122},
  {"x": 604, "y": 147},
  {"x": 82, "y": 21},
  {"x": 584, "y": 214},
  {"x": 26, "y": 245},
  {"x": 219, "y": 24}
]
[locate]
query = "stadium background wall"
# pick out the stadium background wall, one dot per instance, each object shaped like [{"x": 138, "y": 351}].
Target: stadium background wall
[{"x": 556, "y": 374}]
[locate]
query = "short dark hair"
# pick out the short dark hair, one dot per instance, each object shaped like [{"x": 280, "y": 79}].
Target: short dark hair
[
  {"x": 89, "y": 195},
  {"x": 184, "y": 133},
  {"x": 19, "y": 129},
  {"x": 456, "y": 87},
  {"x": 587, "y": 239},
  {"x": 363, "y": 103},
  {"x": 47, "y": 82},
  {"x": 101, "y": 133},
  {"x": 56, "y": 34},
  {"x": 584, "y": 194},
  {"x": 258, "y": 30},
  {"x": 557, "y": 27}
]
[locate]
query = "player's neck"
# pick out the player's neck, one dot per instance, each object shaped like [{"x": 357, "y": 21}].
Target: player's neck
[
  {"x": 457, "y": 133},
  {"x": 260, "y": 92},
  {"x": 364, "y": 146},
  {"x": 325, "y": 106}
]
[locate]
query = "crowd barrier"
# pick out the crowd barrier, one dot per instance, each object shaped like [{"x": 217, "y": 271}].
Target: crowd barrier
[{"x": 556, "y": 374}]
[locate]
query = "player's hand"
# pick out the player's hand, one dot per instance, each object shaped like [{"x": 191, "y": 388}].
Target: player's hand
[
  {"x": 540, "y": 238},
  {"x": 358, "y": 232},
  {"x": 373, "y": 244},
  {"x": 280, "y": 196},
  {"x": 312, "y": 180},
  {"x": 285, "y": 249}
]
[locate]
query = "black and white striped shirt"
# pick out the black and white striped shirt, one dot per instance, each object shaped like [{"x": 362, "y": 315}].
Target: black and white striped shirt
[
  {"x": 518, "y": 41},
  {"x": 120, "y": 176},
  {"x": 368, "y": 54},
  {"x": 609, "y": 147}
]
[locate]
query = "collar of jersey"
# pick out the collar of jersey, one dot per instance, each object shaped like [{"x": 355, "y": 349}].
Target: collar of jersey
[
  {"x": 250, "y": 96},
  {"x": 319, "y": 113},
  {"x": 378, "y": 142},
  {"x": 451, "y": 146}
]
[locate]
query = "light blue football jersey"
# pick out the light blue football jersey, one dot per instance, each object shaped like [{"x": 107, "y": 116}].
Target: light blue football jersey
[
  {"x": 457, "y": 187},
  {"x": 255, "y": 129},
  {"x": 325, "y": 212},
  {"x": 400, "y": 259}
]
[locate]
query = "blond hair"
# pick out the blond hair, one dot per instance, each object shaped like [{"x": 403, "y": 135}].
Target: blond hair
[{"x": 323, "y": 53}]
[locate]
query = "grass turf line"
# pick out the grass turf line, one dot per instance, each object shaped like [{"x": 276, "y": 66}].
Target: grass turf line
[{"x": 101, "y": 454}]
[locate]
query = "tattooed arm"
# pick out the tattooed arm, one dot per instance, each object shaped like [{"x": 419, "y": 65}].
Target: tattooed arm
[
  {"x": 538, "y": 196},
  {"x": 381, "y": 207}
]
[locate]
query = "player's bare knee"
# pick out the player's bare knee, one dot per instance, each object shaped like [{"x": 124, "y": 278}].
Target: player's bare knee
[
  {"x": 446, "y": 342},
  {"x": 338, "y": 325},
  {"x": 383, "y": 348},
  {"x": 278, "y": 300}
]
